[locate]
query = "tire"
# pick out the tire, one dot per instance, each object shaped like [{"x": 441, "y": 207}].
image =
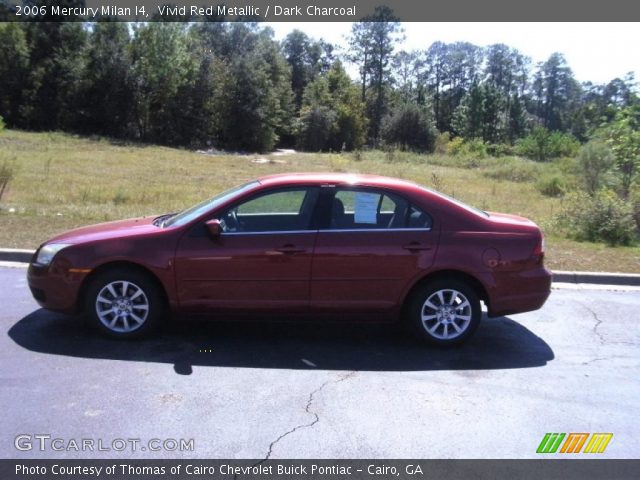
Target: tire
[
  {"x": 444, "y": 312},
  {"x": 124, "y": 303}
]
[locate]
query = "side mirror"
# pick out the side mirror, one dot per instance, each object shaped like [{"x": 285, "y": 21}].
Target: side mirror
[{"x": 214, "y": 228}]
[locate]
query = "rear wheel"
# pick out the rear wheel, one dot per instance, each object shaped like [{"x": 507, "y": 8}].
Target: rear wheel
[
  {"x": 124, "y": 303},
  {"x": 445, "y": 312}
]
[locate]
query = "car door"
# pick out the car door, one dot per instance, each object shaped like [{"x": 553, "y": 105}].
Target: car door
[
  {"x": 371, "y": 246},
  {"x": 260, "y": 261}
]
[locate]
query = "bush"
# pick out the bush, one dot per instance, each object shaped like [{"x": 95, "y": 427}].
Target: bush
[
  {"x": 1, "y": 124},
  {"x": 410, "y": 128},
  {"x": 552, "y": 185},
  {"x": 455, "y": 146},
  {"x": 442, "y": 143},
  {"x": 499, "y": 149},
  {"x": 468, "y": 147},
  {"x": 315, "y": 128},
  {"x": 543, "y": 145},
  {"x": 595, "y": 163},
  {"x": 601, "y": 217}
]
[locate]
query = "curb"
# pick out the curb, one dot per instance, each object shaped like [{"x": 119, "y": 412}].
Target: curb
[
  {"x": 16, "y": 255},
  {"x": 603, "y": 278}
]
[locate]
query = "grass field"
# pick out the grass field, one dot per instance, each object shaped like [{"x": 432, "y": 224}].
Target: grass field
[{"x": 63, "y": 181}]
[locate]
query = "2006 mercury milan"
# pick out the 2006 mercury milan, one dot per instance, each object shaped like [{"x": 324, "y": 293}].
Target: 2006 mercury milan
[{"x": 308, "y": 245}]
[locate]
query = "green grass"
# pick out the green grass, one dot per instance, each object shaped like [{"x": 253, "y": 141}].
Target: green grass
[{"x": 63, "y": 181}]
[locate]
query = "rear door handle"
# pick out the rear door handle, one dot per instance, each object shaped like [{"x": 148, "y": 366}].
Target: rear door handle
[
  {"x": 416, "y": 247},
  {"x": 290, "y": 249}
]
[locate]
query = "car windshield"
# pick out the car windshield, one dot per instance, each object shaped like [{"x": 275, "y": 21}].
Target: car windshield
[
  {"x": 186, "y": 216},
  {"x": 458, "y": 202}
]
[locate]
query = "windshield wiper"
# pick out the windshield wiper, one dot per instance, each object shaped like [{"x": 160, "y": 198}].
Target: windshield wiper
[{"x": 159, "y": 221}]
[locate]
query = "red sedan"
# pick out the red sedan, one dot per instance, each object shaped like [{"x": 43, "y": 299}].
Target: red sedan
[{"x": 354, "y": 246}]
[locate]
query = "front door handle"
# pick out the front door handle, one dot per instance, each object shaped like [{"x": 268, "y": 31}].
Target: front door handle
[
  {"x": 290, "y": 249},
  {"x": 416, "y": 247}
]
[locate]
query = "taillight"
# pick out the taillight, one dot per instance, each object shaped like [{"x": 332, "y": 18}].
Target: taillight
[{"x": 539, "y": 248}]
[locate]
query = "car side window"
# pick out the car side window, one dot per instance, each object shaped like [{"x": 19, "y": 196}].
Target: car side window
[
  {"x": 416, "y": 218},
  {"x": 283, "y": 210},
  {"x": 371, "y": 209}
]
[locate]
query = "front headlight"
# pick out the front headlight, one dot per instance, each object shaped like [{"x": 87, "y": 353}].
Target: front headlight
[{"x": 47, "y": 252}]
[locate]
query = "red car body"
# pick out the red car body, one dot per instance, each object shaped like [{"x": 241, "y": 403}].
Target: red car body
[{"x": 316, "y": 269}]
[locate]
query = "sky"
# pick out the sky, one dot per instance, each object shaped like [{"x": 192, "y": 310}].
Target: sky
[{"x": 596, "y": 52}]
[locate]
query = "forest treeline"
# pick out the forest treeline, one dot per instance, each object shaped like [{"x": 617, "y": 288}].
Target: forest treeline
[{"x": 231, "y": 86}]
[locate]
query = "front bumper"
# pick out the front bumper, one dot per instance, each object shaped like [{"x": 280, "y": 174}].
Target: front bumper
[{"x": 55, "y": 287}]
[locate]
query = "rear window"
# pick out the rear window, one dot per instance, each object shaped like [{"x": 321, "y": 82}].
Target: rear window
[{"x": 457, "y": 202}]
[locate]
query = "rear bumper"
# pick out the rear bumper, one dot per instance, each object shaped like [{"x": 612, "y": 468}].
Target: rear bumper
[
  {"x": 518, "y": 292},
  {"x": 54, "y": 288}
]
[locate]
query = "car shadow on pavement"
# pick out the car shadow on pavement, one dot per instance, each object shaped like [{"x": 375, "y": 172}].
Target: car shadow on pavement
[{"x": 499, "y": 343}]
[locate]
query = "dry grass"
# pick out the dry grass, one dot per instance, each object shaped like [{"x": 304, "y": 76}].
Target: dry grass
[{"x": 62, "y": 181}]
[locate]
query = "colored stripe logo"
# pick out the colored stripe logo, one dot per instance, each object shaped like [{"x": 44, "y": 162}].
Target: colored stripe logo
[{"x": 573, "y": 442}]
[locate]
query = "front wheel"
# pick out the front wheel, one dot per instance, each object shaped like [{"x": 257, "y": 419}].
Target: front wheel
[
  {"x": 445, "y": 312},
  {"x": 124, "y": 304}
]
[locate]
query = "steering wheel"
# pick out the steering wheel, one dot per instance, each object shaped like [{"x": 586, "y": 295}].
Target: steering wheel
[{"x": 231, "y": 221}]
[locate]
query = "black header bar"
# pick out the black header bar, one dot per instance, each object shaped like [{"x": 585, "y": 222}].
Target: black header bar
[{"x": 319, "y": 10}]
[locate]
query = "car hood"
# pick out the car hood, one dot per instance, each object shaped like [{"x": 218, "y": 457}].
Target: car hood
[{"x": 107, "y": 230}]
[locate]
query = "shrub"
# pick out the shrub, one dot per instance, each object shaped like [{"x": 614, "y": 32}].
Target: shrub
[
  {"x": 1, "y": 124},
  {"x": 601, "y": 217},
  {"x": 499, "y": 149},
  {"x": 468, "y": 147},
  {"x": 595, "y": 163},
  {"x": 475, "y": 147},
  {"x": 442, "y": 143},
  {"x": 552, "y": 185},
  {"x": 455, "y": 146},
  {"x": 315, "y": 128},
  {"x": 543, "y": 145},
  {"x": 409, "y": 127}
]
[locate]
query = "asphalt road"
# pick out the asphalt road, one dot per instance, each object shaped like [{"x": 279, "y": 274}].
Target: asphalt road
[{"x": 316, "y": 391}]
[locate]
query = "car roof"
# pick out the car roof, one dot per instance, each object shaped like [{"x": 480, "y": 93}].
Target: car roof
[{"x": 331, "y": 178}]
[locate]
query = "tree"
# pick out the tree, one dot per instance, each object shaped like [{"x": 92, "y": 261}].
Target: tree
[
  {"x": 410, "y": 127},
  {"x": 307, "y": 59},
  {"x": 468, "y": 117},
  {"x": 162, "y": 66},
  {"x": 372, "y": 42},
  {"x": 481, "y": 114},
  {"x": 405, "y": 67},
  {"x": 622, "y": 136},
  {"x": 56, "y": 69},
  {"x": 601, "y": 103},
  {"x": 435, "y": 71},
  {"x": 107, "y": 88},
  {"x": 450, "y": 72},
  {"x": 14, "y": 71},
  {"x": 595, "y": 162},
  {"x": 506, "y": 71},
  {"x": 260, "y": 99},
  {"x": 556, "y": 94},
  {"x": 332, "y": 116}
]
